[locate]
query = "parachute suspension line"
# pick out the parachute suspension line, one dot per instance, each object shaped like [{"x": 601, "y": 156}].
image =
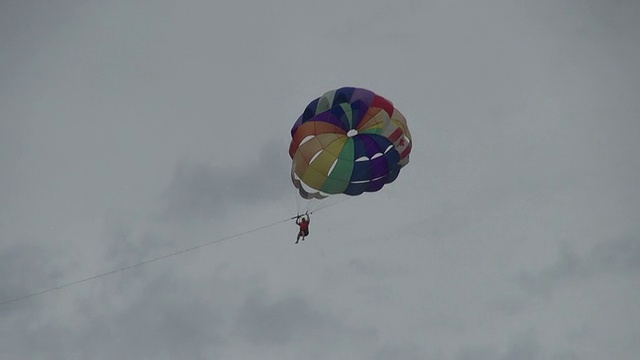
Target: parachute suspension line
[
  {"x": 312, "y": 204},
  {"x": 298, "y": 202},
  {"x": 72, "y": 283},
  {"x": 331, "y": 204}
]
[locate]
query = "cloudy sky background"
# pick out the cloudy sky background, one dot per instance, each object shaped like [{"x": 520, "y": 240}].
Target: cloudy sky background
[{"x": 134, "y": 129}]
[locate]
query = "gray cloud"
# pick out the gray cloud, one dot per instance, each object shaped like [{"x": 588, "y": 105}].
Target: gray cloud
[
  {"x": 159, "y": 321},
  {"x": 168, "y": 319},
  {"x": 619, "y": 258},
  {"x": 523, "y": 347},
  {"x": 406, "y": 352},
  {"x": 477, "y": 352},
  {"x": 525, "y": 121},
  {"x": 24, "y": 270},
  {"x": 202, "y": 191},
  {"x": 280, "y": 322},
  {"x": 293, "y": 320}
]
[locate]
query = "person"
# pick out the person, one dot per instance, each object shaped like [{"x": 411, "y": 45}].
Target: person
[{"x": 303, "y": 222}]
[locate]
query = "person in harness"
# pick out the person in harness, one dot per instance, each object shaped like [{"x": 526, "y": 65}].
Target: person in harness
[{"x": 303, "y": 222}]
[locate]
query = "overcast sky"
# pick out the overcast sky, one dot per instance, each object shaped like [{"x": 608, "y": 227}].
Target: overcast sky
[{"x": 134, "y": 129}]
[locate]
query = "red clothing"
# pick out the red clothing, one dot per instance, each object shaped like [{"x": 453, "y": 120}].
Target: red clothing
[{"x": 304, "y": 224}]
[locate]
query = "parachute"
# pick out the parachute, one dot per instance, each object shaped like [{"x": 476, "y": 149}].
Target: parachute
[{"x": 348, "y": 141}]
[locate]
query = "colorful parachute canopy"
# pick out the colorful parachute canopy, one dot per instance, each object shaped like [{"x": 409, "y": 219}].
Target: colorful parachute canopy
[{"x": 348, "y": 141}]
